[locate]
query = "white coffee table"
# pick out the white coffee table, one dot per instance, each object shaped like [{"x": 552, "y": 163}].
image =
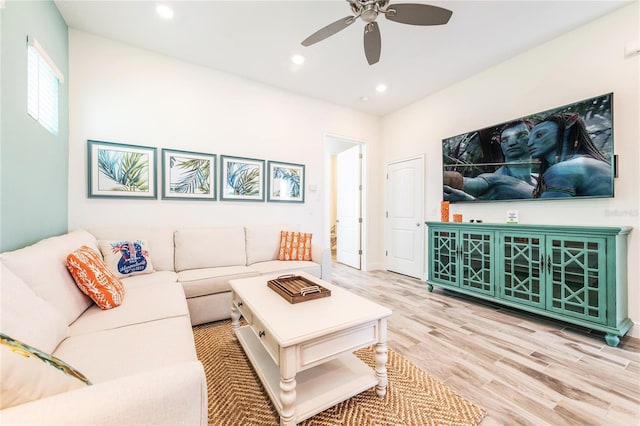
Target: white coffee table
[{"x": 303, "y": 352}]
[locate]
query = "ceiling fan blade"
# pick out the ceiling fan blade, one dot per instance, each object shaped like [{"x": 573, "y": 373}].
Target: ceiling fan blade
[
  {"x": 418, "y": 14},
  {"x": 372, "y": 44},
  {"x": 329, "y": 30}
]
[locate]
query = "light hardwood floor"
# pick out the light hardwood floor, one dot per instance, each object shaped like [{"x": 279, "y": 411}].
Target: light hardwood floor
[{"x": 523, "y": 369}]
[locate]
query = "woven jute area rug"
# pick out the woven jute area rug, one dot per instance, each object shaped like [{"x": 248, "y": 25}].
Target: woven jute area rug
[{"x": 236, "y": 396}]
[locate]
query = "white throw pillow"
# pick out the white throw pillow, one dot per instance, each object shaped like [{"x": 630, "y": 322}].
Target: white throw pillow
[
  {"x": 29, "y": 374},
  {"x": 126, "y": 258},
  {"x": 43, "y": 267},
  {"x": 26, "y": 316}
]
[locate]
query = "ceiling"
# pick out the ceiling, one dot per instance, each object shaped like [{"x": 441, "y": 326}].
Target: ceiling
[{"x": 256, "y": 39}]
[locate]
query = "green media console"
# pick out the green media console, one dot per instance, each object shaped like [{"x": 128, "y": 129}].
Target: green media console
[{"x": 577, "y": 274}]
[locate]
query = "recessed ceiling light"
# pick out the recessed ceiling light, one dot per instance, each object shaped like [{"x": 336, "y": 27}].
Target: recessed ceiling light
[
  {"x": 297, "y": 59},
  {"x": 364, "y": 99},
  {"x": 380, "y": 88},
  {"x": 164, "y": 11}
]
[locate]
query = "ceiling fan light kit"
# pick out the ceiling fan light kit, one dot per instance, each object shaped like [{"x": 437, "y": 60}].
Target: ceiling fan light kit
[{"x": 368, "y": 11}]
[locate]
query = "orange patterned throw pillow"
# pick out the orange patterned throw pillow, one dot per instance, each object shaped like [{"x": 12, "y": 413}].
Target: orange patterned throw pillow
[
  {"x": 94, "y": 278},
  {"x": 295, "y": 245}
]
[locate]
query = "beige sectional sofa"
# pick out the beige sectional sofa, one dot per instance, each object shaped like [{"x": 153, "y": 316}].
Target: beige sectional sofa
[
  {"x": 203, "y": 260},
  {"x": 141, "y": 355}
]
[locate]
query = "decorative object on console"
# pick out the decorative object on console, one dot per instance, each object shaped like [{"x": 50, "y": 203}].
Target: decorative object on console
[
  {"x": 564, "y": 152},
  {"x": 126, "y": 258},
  {"x": 295, "y": 245},
  {"x": 444, "y": 211},
  {"x": 188, "y": 175},
  {"x": 512, "y": 216},
  {"x": 457, "y": 217},
  {"x": 29, "y": 374},
  {"x": 242, "y": 179},
  {"x": 121, "y": 171},
  {"x": 94, "y": 278},
  {"x": 286, "y": 182}
]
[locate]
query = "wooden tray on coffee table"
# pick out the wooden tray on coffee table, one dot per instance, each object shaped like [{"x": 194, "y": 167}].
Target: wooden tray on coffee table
[{"x": 295, "y": 289}]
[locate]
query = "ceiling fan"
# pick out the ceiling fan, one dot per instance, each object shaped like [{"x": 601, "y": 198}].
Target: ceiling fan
[{"x": 368, "y": 10}]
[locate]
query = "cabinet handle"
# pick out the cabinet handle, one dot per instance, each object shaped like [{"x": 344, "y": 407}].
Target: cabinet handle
[
  {"x": 548, "y": 263},
  {"x": 239, "y": 304},
  {"x": 260, "y": 333}
]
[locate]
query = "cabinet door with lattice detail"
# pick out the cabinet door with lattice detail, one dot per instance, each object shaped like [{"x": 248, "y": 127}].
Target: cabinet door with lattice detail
[
  {"x": 576, "y": 270},
  {"x": 476, "y": 261},
  {"x": 443, "y": 259},
  {"x": 521, "y": 269}
]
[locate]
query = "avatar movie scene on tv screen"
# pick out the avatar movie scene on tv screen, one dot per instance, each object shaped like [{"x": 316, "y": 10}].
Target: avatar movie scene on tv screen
[{"x": 565, "y": 152}]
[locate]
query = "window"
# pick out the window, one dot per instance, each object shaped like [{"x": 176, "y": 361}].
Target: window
[{"x": 42, "y": 87}]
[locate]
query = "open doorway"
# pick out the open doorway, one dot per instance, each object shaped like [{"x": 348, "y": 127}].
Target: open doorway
[{"x": 346, "y": 194}]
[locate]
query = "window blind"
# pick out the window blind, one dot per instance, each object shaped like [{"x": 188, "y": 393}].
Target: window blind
[{"x": 42, "y": 86}]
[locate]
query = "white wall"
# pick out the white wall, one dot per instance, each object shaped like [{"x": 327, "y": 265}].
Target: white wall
[
  {"x": 127, "y": 95},
  {"x": 586, "y": 62}
]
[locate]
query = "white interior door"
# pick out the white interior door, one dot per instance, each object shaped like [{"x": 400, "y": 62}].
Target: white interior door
[
  {"x": 405, "y": 227},
  {"x": 348, "y": 200}
]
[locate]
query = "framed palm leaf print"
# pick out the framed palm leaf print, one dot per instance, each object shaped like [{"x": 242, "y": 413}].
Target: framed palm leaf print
[
  {"x": 286, "y": 182},
  {"x": 121, "y": 171},
  {"x": 188, "y": 175},
  {"x": 242, "y": 179}
]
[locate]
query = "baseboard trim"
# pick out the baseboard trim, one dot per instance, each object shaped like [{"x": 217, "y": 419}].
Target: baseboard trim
[
  {"x": 374, "y": 266},
  {"x": 634, "y": 331}
]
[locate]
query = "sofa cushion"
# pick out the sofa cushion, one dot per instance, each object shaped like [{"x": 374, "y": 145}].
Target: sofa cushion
[
  {"x": 160, "y": 242},
  {"x": 27, "y": 317},
  {"x": 142, "y": 304},
  {"x": 280, "y": 268},
  {"x": 43, "y": 266},
  {"x": 172, "y": 395},
  {"x": 127, "y": 258},
  {"x": 29, "y": 373},
  {"x": 263, "y": 242},
  {"x": 119, "y": 352},
  {"x": 295, "y": 245},
  {"x": 94, "y": 278},
  {"x": 198, "y": 248},
  {"x": 199, "y": 282},
  {"x": 150, "y": 279}
]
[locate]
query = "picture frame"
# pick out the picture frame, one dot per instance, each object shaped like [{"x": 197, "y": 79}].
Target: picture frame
[
  {"x": 188, "y": 175},
  {"x": 121, "y": 171},
  {"x": 242, "y": 179},
  {"x": 286, "y": 182}
]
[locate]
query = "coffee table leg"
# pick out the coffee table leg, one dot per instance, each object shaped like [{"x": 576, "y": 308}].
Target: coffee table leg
[
  {"x": 381, "y": 359},
  {"x": 288, "y": 399},
  {"x": 235, "y": 318},
  {"x": 288, "y": 386}
]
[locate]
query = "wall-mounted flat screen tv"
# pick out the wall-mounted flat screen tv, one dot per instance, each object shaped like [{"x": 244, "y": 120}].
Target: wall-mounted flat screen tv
[{"x": 565, "y": 152}]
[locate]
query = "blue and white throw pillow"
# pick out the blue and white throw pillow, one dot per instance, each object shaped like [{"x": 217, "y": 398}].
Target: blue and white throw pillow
[{"x": 126, "y": 257}]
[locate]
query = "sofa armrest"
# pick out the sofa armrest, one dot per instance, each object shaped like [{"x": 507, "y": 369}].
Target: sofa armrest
[
  {"x": 174, "y": 395},
  {"x": 322, "y": 256}
]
